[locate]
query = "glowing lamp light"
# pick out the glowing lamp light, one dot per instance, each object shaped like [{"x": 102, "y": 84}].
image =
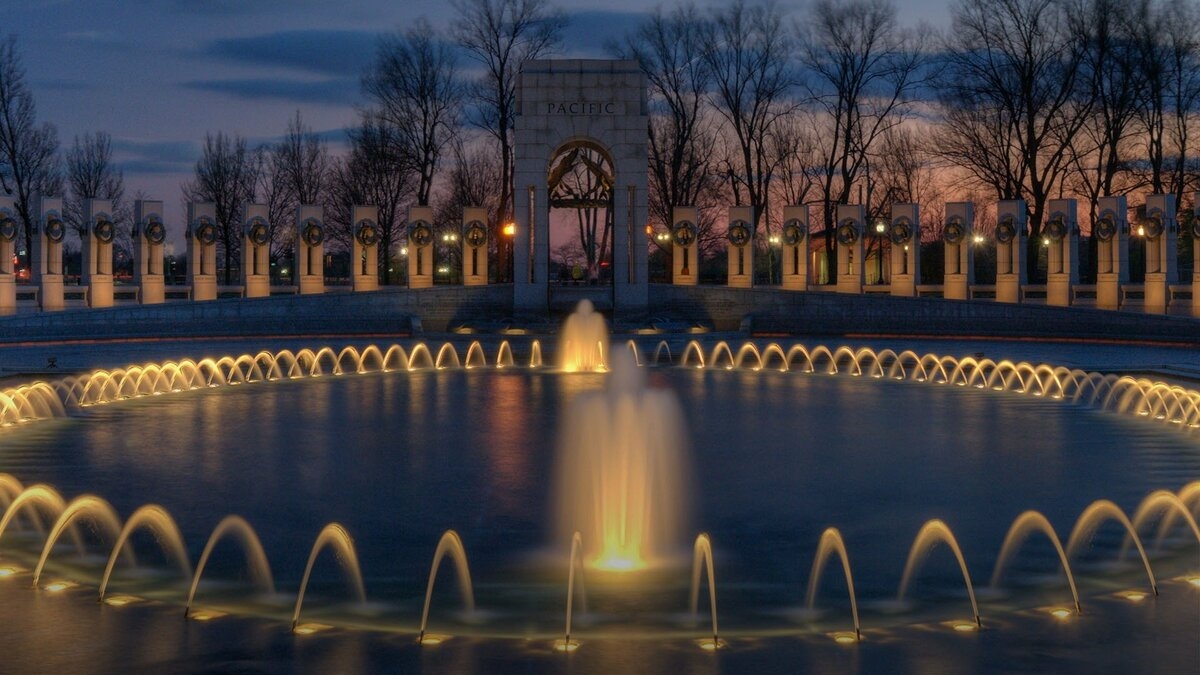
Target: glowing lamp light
[
  {"x": 1061, "y": 613},
  {"x": 711, "y": 644},
  {"x": 510, "y": 229},
  {"x": 845, "y": 637},
  {"x": 432, "y": 639},
  {"x": 979, "y": 239},
  {"x": 1193, "y": 580},
  {"x": 1141, "y": 230},
  {"x": 205, "y": 615},
  {"x": 1045, "y": 241},
  {"x": 565, "y": 646},
  {"x": 963, "y": 626},
  {"x": 121, "y": 600},
  {"x": 1133, "y": 596}
]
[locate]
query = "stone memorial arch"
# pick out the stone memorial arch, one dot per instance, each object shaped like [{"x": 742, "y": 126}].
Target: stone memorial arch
[{"x": 580, "y": 120}]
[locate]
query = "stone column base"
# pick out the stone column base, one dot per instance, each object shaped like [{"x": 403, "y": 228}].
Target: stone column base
[
  {"x": 204, "y": 287},
  {"x": 153, "y": 289}
]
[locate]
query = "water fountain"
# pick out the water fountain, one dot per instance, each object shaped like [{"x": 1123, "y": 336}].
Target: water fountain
[
  {"x": 583, "y": 342},
  {"x": 621, "y": 471},
  {"x": 621, "y": 498}
]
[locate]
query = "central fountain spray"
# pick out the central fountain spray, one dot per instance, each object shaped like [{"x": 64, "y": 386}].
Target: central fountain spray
[
  {"x": 583, "y": 342},
  {"x": 621, "y": 470}
]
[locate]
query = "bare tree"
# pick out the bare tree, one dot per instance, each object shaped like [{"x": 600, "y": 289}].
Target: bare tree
[
  {"x": 28, "y": 151},
  {"x": 1169, "y": 67},
  {"x": 272, "y": 189},
  {"x": 302, "y": 160},
  {"x": 863, "y": 71},
  {"x": 1099, "y": 153},
  {"x": 500, "y": 35},
  {"x": 1012, "y": 85},
  {"x": 226, "y": 176},
  {"x": 371, "y": 174},
  {"x": 295, "y": 170},
  {"x": 414, "y": 83},
  {"x": 670, "y": 50},
  {"x": 747, "y": 50},
  {"x": 472, "y": 180},
  {"x": 91, "y": 174}
]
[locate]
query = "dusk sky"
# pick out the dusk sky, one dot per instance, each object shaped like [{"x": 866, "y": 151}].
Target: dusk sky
[{"x": 158, "y": 74}]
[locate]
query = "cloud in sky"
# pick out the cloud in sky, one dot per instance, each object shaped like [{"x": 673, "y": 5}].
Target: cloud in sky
[
  {"x": 334, "y": 91},
  {"x": 324, "y": 52},
  {"x": 155, "y": 157},
  {"x": 589, "y": 31}
]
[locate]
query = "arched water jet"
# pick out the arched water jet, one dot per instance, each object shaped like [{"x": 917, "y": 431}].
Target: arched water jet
[
  {"x": 721, "y": 357},
  {"x": 336, "y": 536},
  {"x": 702, "y": 554},
  {"x": 575, "y": 561},
  {"x": 1189, "y": 495},
  {"x": 774, "y": 351},
  {"x": 633, "y": 349},
  {"x": 535, "y": 354},
  {"x": 39, "y": 496},
  {"x": 832, "y": 542},
  {"x": 932, "y": 532},
  {"x": 166, "y": 532},
  {"x": 100, "y": 512},
  {"x": 1096, "y": 513},
  {"x": 420, "y": 357},
  {"x": 1162, "y": 501},
  {"x": 748, "y": 352},
  {"x": 10, "y": 487},
  {"x": 693, "y": 352},
  {"x": 583, "y": 342},
  {"x": 504, "y": 355},
  {"x": 475, "y": 356},
  {"x": 450, "y": 544},
  {"x": 447, "y": 357},
  {"x": 256, "y": 557},
  {"x": 661, "y": 349},
  {"x": 1018, "y": 532}
]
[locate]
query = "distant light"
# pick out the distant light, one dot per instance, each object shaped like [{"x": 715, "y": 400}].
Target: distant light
[{"x": 510, "y": 229}]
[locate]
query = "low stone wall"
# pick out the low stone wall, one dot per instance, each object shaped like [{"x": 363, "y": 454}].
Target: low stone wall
[
  {"x": 390, "y": 311},
  {"x": 763, "y": 310},
  {"x": 399, "y": 311}
]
